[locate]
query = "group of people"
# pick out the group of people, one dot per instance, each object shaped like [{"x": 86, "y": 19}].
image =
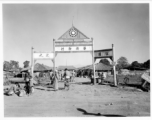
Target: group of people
[
  {"x": 28, "y": 88},
  {"x": 89, "y": 73},
  {"x": 65, "y": 76},
  {"x": 21, "y": 91},
  {"x": 98, "y": 76}
]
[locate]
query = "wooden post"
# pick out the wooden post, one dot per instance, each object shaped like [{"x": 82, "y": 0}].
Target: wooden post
[
  {"x": 54, "y": 56},
  {"x": 93, "y": 60},
  {"x": 114, "y": 70},
  {"x": 32, "y": 63},
  {"x": 55, "y": 78}
]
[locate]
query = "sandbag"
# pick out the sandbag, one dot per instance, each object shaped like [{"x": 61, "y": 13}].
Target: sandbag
[
  {"x": 11, "y": 92},
  {"x": 21, "y": 93}
]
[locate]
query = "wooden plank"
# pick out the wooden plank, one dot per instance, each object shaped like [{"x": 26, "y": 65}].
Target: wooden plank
[{"x": 146, "y": 77}]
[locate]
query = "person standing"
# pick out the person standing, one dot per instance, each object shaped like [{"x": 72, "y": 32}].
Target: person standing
[
  {"x": 73, "y": 76},
  {"x": 28, "y": 82},
  {"x": 67, "y": 75},
  {"x": 51, "y": 77},
  {"x": 62, "y": 75},
  {"x": 55, "y": 79},
  {"x": 59, "y": 74}
]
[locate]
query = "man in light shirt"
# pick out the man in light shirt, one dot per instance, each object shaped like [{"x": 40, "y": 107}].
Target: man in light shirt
[{"x": 67, "y": 76}]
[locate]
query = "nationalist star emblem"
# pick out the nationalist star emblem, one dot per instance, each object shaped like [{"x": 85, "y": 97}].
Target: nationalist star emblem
[{"x": 73, "y": 33}]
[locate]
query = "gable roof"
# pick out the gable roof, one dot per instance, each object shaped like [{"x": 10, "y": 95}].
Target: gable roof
[
  {"x": 98, "y": 66},
  {"x": 48, "y": 67},
  {"x": 38, "y": 67},
  {"x": 68, "y": 67},
  {"x": 73, "y": 33}
]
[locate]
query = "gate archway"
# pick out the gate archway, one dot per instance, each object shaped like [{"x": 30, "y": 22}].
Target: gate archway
[
  {"x": 39, "y": 56},
  {"x": 107, "y": 53},
  {"x": 73, "y": 41}
]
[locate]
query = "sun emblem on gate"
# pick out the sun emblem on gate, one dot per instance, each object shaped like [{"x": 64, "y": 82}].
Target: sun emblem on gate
[{"x": 73, "y": 33}]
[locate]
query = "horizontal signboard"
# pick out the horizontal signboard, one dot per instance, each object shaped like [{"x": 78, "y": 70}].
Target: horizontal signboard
[
  {"x": 74, "y": 43},
  {"x": 74, "y": 48},
  {"x": 103, "y": 53},
  {"x": 43, "y": 56}
]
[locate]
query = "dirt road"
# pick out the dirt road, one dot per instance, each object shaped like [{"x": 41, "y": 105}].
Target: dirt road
[{"x": 81, "y": 100}]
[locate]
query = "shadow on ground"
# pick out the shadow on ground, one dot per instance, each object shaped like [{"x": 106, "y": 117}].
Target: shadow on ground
[
  {"x": 48, "y": 88},
  {"x": 133, "y": 86},
  {"x": 98, "y": 114},
  {"x": 83, "y": 83}
]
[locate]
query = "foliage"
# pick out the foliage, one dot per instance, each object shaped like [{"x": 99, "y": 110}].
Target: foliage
[
  {"x": 104, "y": 61},
  {"x": 10, "y": 65},
  {"x": 141, "y": 65},
  {"x": 6, "y": 66},
  {"x": 14, "y": 64},
  {"x": 26, "y": 64},
  {"x": 146, "y": 64},
  {"x": 121, "y": 63},
  {"x": 136, "y": 64}
]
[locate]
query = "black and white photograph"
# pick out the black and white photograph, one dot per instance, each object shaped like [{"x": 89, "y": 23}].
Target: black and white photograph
[{"x": 76, "y": 59}]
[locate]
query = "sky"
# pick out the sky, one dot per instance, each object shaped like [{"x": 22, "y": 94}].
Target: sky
[{"x": 124, "y": 25}]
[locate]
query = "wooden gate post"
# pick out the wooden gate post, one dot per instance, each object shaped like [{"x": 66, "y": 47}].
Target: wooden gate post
[
  {"x": 32, "y": 63},
  {"x": 114, "y": 70},
  {"x": 93, "y": 60}
]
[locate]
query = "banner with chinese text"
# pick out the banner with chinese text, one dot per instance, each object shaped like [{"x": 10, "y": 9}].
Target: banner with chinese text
[{"x": 42, "y": 55}]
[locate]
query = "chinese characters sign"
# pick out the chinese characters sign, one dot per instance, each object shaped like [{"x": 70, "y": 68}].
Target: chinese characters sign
[
  {"x": 43, "y": 55},
  {"x": 73, "y": 48},
  {"x": 73, "y": 43},
  {"x": 103, "y": 53}
]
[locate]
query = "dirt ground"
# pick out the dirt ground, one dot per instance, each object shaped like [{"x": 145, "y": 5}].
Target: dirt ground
[{"x": 82, "y": 100}]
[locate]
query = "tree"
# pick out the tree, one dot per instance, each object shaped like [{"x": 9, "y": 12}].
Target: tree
[
  {"x": 26, "y": 64},
  {"x": 6, "y": 66},
  {"x": 122, "y": 62},
  {"x": 135, "y": 64},
  {"x": 104, "y": 61},
  {"x": 146, "y": 64},
  {"x": 14, "y": 64}
]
